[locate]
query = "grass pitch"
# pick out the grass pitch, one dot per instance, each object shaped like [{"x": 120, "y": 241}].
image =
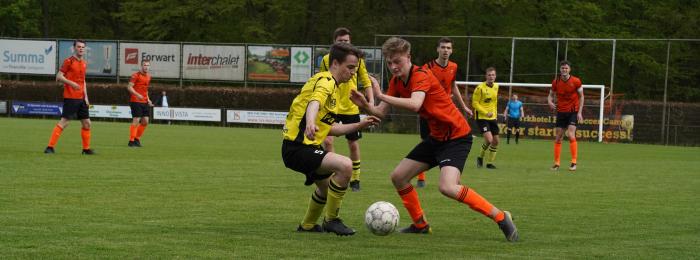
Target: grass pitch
[{"x": 212, "y": 192}]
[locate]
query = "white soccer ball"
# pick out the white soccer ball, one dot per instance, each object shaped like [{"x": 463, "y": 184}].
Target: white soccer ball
[{"x": 382, "y": 218}]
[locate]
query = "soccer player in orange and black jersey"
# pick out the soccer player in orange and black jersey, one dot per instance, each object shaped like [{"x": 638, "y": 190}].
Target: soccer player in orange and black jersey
[
  {"x": 569, "y": 109},
  {"x": 446, "y": 72},
  {"x": 418, "y": 90},
  {"x": 140, "y": 103},
  {"x": 75, "y": 98}
]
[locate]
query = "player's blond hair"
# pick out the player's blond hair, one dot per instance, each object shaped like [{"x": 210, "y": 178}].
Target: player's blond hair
[{"x": 395, "y": 45}]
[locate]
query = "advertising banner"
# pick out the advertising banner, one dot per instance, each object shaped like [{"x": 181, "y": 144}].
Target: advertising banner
[
  {"x": 214, "y": 62},
  {"x": 268, "y": 63},
  {"x": 255, "y": 117},
  {"x": 101, "y": 56},
  {"x": 30, "y": 57},
  {"x": 165, "y": 59},
  {"x": 110, "y": 111},
  {"x": 37, "y": 108},
  {"x": 187, "y": 114},
  {"x": 539, "y": 123},
  {"x": 3, "y": 107},
  {"x": 301, "y": 64}
]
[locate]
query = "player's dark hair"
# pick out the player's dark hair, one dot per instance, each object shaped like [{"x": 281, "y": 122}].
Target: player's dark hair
[
  {"x": 340, "y": 51},
  {"x": 395, "y": 45},
  {"x": 145, "y": 60},
  {"x": 564, "y": 62},
  {"x": 75, "y": 43},
  {"x": 341, "y": 31},
  {"x": 444, "y": 40},
  {"x": 490, "y": 69}
]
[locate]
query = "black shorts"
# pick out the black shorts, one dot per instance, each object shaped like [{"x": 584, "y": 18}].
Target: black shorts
[
  {"x": 304, "y": 159},
  {"x": 488, "y": 126},
  {"x": 75, "y": 108},
  {"x": 139, "y": 109},
  {"x": 513, "y": 122},
  {"x": 448, "y": 153},
  {"x": 564, "y": 119},
  {"x": 351, "y": 119},
  {"x": 424, "y": 129}
]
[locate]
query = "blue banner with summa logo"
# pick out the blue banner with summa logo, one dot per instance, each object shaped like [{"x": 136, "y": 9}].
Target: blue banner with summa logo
[{"x": 37, "y": 108}]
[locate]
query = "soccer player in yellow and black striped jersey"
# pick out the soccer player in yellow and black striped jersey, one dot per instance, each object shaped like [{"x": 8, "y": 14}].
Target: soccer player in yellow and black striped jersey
[
  {"x": 348, "y": 112},
  {"x": 312, "y": 116},
  {"x": 485, "y": 103}
]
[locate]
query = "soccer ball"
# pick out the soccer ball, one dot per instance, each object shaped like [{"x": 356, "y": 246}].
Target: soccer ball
[{"x": 381, "y": 218}]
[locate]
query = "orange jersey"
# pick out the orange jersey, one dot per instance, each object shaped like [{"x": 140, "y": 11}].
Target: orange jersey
[
  {"x": 444, "y": 120},
  {"x": 74, "y": 70},
  {"x": 567, "y": 93},
  {"x": 446, "y": 75},
  {"x": 141, "y": 82}
]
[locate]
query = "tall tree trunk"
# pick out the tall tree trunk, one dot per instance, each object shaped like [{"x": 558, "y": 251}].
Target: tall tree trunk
[{"x": 45, "y": 18}]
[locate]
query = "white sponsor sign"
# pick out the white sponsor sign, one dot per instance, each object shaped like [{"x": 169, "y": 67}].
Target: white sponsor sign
[
  {"x": 110, "y": 111},
  {"x": 213, "y": 62},
  {"x": 165, "y": 59},
  {"x": 31, "y": 57},
  {"x": 301, "y": 64},
  {"x": 187, "y": 114},
  {"x": 255, "y": 117},
  {"x": 3, "y": 107}
]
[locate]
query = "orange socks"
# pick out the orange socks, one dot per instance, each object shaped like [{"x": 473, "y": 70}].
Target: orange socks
[
  {"x": 409, "y": 196},
  {"x": 132, "y": 132},
  {"x": 421, "y": 176},
  {"x": 557, "y": 152},
  {"x": 57, "y": 130},
  {"x": 85, "y": 134},
  {"x": 573, "y": 147},
  {"x": 140, "y": 130},
  {"x": 477, "y": 203}
]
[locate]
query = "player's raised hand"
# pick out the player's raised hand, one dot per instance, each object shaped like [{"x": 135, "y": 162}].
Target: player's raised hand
[
  {"x": 310, "y": 131},
  {"x": 376, "y": 89},
  {"x": 358, "y": 98}
]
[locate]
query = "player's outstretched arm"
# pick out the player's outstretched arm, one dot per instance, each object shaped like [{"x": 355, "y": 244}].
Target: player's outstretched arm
[{"x": 343, "y": 129}]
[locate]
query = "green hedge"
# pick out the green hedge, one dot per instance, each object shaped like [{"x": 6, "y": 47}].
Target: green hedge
[{"x": 260, "y": 98}]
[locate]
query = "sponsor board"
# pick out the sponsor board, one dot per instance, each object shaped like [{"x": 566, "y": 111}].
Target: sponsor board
[
  {"x": 100, "y": 56},
  {"x": 301, "y": 64},
  {"x": 187, "y": 114},
  {"x": 165, "y": 59},
  {"x": 214, "y": 62},
  {"x": 3, "y": 107},
  {"x": 618, "y": 129},
  {"x": 268, "y": 63},
  {"x": 110, "y": 111},
  {"x": 37, "y": 108},
  {"x": 256, "y": 117},
  {"x": 30, "y": 57}
]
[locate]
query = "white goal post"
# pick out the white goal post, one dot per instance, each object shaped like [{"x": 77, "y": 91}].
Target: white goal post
[{"x": 542, "y": 85}]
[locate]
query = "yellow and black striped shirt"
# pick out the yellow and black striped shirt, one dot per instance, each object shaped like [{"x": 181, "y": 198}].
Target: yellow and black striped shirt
[{"x": 323, "y": 88}]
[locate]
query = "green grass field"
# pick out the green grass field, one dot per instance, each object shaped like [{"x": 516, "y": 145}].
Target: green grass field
[{"x": 213, "y": 192}]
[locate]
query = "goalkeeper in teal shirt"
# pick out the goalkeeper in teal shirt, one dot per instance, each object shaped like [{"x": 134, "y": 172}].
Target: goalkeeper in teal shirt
[{"x": 514, "y": 112}]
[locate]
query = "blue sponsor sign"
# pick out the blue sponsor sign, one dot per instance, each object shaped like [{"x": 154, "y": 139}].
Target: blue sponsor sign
[
  {"x": 37, "y": 108},
  {"x": 101, "y": 56}
]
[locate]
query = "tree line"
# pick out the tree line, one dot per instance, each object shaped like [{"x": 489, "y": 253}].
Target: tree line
[{"x": 640, "y": 66}]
